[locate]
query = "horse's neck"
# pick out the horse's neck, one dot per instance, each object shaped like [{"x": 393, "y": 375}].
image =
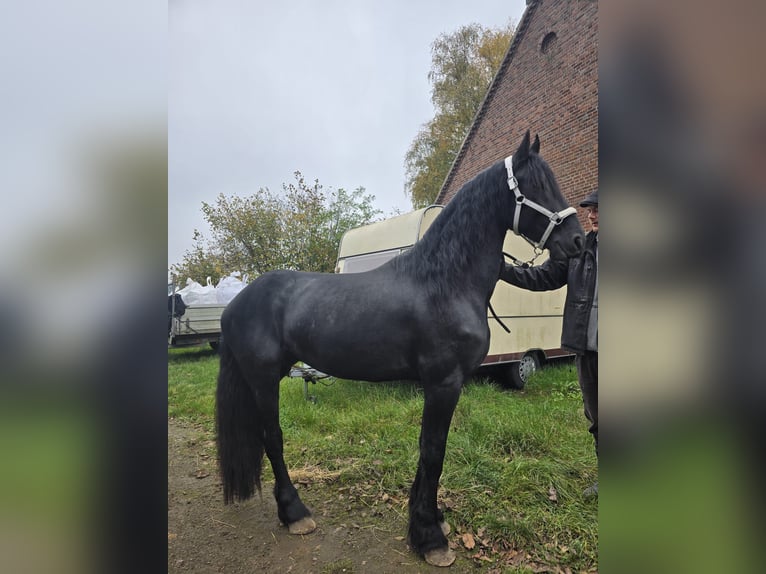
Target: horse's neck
[
  {"x": 483, "y": 266},
  {"x": 480, "y": 256}
]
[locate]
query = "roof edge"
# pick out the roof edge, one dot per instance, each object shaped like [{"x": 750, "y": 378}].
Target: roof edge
[{"x": 523, "y": 24}]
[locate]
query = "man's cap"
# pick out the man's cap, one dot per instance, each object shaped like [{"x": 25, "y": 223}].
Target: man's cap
[{"x": 592, "y": 199}]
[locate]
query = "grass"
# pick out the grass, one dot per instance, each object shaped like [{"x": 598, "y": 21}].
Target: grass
[{"x": 516, "y": 464}]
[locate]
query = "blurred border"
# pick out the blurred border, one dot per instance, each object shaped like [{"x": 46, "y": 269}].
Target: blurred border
[
  {"x": 83, "y": 243},
  {"x": 682, "y": 137}
]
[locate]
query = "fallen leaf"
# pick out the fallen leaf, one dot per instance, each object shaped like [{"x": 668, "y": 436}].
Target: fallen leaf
[
  {"x": 468, "y": 540},
  {"x": 553, "y": 495}
]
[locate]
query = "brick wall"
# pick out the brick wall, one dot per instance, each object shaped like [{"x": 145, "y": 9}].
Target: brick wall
[{"x": 548, "y": 83}]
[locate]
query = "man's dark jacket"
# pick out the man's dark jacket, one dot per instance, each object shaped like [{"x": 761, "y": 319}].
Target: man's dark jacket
[{"x": 579, "y": 275}]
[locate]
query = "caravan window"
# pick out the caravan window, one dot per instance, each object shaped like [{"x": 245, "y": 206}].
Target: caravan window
[{"x": 359, "y": 263}]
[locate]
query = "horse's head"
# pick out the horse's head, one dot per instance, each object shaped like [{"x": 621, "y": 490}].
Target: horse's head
[{"x": 541, "y": 214}]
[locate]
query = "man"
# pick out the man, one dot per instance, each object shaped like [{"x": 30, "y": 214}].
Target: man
[{"x": 579, "y": 332}]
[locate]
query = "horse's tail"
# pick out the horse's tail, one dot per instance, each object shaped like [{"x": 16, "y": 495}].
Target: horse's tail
[{"x": 239, "y": 431}]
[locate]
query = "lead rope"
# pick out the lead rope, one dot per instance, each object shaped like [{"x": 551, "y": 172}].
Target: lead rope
[
  {"x": 519, "y": 263},
  {"x": 507, "y": 330}
]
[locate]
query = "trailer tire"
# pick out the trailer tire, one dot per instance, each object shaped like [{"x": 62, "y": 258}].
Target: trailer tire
[{"x": 520, "y": 371}]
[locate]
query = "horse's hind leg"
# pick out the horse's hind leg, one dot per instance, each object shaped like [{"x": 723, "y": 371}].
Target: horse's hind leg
[{"x": 291, "y": 510}]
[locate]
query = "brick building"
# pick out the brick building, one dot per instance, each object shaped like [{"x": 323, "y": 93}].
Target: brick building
[{"x": 547, "y": 83}]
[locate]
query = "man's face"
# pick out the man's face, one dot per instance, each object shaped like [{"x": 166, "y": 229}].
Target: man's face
[{"x": 592, "y": 212}]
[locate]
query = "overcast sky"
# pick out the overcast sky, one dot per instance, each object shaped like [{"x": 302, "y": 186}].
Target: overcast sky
[{"x": 335, "y": 89}]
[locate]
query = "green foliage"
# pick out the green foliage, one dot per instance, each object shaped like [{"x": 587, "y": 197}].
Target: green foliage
[
  {"x": 192, "y": 375},
  {"x": 462, "y": 67},
  {"x": 299, "y": 228}
]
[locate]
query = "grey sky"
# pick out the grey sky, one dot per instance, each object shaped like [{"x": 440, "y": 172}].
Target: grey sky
[{"x": 336, "y": 90}]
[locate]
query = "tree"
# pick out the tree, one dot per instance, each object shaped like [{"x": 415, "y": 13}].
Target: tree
[
  {"x": 298, "y": 229},
  {"x": 462, "y": 67},
  {"x": 198, "y": 263}
]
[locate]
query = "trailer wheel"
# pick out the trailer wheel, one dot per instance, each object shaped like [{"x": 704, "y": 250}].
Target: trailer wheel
[{"x": 520, "y": 371}]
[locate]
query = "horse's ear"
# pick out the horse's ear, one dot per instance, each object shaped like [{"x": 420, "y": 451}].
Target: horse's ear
[
  {"x": 536, "y": 144},
  {"x": 522, "y": 153}
]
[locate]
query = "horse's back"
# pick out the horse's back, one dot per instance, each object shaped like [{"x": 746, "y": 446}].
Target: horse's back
[{"x": 261, "y": 296}]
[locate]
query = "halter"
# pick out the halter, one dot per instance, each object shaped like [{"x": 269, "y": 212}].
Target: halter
[{"x": 554, "y": 218}]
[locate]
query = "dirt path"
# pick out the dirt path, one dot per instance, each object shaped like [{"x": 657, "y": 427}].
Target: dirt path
[{"x": 206, "y": 536}]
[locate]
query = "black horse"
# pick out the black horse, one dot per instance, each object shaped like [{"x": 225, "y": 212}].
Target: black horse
[{"x": 421, "y": 316}]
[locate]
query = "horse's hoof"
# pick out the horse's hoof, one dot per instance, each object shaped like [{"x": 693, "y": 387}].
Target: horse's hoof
[
  {"x": 440, "y": 557},
  {"x": 445, "y": 528},
  {"x": 305, "y": 525}
]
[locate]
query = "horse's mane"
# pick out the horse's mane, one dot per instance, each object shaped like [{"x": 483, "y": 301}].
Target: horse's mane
[
  {"x": 539, "y": 175},
  {"x": 457, "y": 232},
  {"x": 481, "y": 209}
]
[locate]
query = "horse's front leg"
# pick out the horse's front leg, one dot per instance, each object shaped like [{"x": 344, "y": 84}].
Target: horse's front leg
[{"x": 427, "y": 528}]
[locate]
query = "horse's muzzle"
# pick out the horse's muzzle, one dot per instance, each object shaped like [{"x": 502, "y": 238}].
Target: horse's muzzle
[
  {"x": 579, "y": 243},
  {"x": 567, "y": 249}
]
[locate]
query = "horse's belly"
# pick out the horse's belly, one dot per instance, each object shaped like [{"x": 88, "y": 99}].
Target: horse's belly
[{"x": 359, "y": 353}]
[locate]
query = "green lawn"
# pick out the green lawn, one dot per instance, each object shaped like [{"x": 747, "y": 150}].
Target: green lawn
[{"x": 516, "y": 464}]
